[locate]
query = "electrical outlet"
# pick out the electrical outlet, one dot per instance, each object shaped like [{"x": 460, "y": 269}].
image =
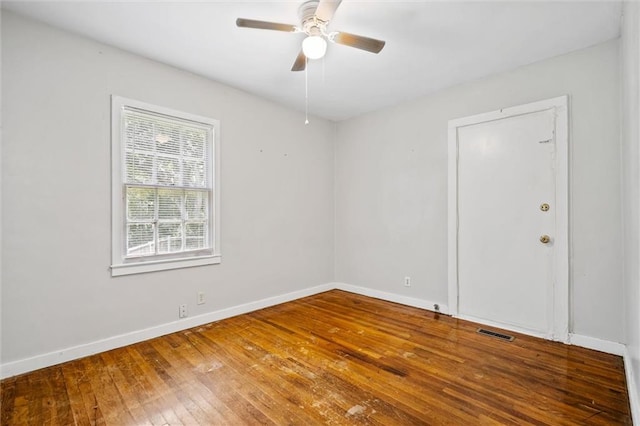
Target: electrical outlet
[
  {"x": 407, "y": 281},
  {"x": 182, "y": 311},
  {"x": 201, "y": 298}
]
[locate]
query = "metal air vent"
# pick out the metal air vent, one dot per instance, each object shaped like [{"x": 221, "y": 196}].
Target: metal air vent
[{"x": 495, "y": 334}]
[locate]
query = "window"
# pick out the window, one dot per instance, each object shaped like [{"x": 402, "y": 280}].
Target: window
[{"x": 165, "y": 188}]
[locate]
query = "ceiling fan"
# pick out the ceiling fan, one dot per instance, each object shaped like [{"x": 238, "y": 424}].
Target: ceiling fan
[{"x": 315, "y": 16}]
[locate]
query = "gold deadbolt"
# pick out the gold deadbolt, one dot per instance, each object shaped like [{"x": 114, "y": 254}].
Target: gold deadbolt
[
  {"x": 545, "y": 239},
  {"x": 544, "y": 207}
]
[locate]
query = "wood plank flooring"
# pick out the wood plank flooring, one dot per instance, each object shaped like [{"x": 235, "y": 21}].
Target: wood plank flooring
[{"x": 334, "y": 358}]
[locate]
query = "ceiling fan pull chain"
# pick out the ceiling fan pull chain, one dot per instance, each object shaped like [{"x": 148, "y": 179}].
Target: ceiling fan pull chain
[
  {"x": 323, "y": 70},
  {"x": 306, "y": 92}
]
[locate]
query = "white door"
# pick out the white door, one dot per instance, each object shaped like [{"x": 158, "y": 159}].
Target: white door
[{"x": 507, "y": 232}]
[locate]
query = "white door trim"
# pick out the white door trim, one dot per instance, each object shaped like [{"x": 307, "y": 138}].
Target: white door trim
[{"x": 560, "y": 322}]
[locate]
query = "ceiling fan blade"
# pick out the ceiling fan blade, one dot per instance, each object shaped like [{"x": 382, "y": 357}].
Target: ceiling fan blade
[
  {"x": 264, "y": 25},
  {"x": 300, "y": 63},
  {"x": 359, "y": 42},
  {"x": 326, "y": 9}
]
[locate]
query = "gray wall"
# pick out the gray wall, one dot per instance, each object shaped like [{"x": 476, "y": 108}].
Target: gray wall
[
  {"x": 631, "y": 193},
  {"x": 391, "y": 185},
  {"x": 57, "y": 291}
]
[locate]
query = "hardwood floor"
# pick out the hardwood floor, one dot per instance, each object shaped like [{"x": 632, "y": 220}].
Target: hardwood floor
[{"x": 334, "y": 358}]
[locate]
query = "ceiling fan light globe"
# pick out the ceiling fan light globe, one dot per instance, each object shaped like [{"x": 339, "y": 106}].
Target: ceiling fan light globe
[{"x": 314, "y": 47}]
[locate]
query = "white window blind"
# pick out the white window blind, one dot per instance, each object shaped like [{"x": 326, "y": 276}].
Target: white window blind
[
  {"x": 166, "y": 182},
  {"x": 167, "y": 189}
]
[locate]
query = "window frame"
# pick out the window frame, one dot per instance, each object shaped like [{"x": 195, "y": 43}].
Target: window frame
[{"x": 121, "y": 264}]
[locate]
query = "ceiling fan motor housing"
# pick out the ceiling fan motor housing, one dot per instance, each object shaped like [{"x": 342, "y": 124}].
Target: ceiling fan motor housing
[
  {"x": 307, "y": 10},
  {"x": 311, "y": 25}
]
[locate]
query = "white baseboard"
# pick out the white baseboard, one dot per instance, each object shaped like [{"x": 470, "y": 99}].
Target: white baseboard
[
  {"x": 632, "y": 389},
  {"x": 392, "y": 297},
  {"x": 52, "y": 358},
  {"x": 597, "y": 344},
  {"x": 574, "y": 339}
]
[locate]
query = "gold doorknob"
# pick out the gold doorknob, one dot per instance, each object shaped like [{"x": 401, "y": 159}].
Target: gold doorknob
[
  {"x": 544, "y": 207},
  {"x": 545, "y": 239}
]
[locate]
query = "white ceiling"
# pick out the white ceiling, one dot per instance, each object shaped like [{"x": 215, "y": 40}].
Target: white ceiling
[{"x": 430, "y": 45}]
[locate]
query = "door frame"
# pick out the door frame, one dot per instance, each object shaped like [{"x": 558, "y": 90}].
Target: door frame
[{"x": 559, "y": 327}]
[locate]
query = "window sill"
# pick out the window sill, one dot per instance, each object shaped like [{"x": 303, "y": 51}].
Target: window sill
[{"x": 163, "y": 265}]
